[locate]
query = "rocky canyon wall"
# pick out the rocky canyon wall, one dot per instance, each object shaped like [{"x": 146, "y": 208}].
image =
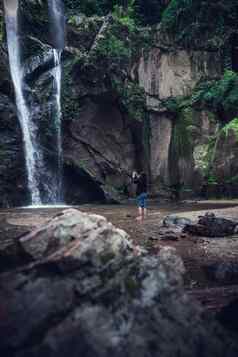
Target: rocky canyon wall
[
  {"x": 116, "y": 79},
  {"x": 166, "y": 73}
]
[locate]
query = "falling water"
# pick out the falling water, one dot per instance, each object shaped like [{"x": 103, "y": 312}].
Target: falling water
[
  {"x": 58, "y": 115},
  {"x": 32, "y": 154},
  {"x": 56, "y": 13},
  {"x": 44, "y": 180}
]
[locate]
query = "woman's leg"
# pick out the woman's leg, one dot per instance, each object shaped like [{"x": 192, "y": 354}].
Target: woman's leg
[
  {"x": 140, "y": 207},
  {"x": 144, "y": 213}
]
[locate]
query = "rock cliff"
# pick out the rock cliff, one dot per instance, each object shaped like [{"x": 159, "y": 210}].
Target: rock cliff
[{"x": 131, "y": 100}]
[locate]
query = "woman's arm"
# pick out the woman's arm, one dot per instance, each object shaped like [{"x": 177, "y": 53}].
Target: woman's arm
[{"x": 135, "y": 177}]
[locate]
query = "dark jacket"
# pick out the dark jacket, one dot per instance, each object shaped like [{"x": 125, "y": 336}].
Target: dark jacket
[{"x": 141, "y": 182}]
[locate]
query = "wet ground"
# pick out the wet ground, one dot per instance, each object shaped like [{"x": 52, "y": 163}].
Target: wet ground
[{"x": 200, "y": 255}]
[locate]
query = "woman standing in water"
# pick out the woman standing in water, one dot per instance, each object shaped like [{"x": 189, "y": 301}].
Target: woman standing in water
[{"x": 141, "y": 194}]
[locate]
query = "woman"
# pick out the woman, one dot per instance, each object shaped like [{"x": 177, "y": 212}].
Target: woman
[{"x": 141, "y": 193}]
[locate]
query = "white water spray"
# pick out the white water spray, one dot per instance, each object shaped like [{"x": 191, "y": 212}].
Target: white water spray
[
  {"x": 32, "y": 154},
  {"x": 57, "y": 38},
  {"x": 58, "y": 116},
  {"x": 42, "y": 181}
]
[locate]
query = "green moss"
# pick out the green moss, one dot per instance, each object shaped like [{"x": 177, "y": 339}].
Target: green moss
[
  {"x": 181, "y": 134},
  {"x": 131, "y": 97},
  {"x": 71, "y": 105},
  {"x": 231, "y": 126},
  {"x": 146, "y": 133},
  {"x": 232, "y": 180},
  {"x": 212, "y": 179}
]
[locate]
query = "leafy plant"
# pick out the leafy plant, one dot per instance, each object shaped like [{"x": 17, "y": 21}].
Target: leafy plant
[
  {"x": 212, "y": 180},
  {"x": 232, "y": 125},
  {"x": 113, "y": 47},
  {"x": 192, "y": 22},
  {"x": 218, "y": 96}
]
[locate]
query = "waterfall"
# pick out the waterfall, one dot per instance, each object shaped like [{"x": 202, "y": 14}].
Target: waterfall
[
  {"x": 56, "y": 12},
  {"x": 58, "y": 115},
  {"x": 44, "y": 179},
  {"x": 32, "y": 153}
]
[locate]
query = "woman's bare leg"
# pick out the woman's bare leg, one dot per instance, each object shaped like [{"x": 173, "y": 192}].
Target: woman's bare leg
[
  {"x": 140, "y": 211},
  {"x": 145, "y": 212}
]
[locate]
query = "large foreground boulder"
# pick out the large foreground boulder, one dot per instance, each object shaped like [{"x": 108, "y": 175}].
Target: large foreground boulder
[{"x": 89, "y": 293}]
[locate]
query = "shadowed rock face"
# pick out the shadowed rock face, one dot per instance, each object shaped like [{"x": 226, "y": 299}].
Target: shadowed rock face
[
  {"x": 100, "y": 143},
  {"x": 90, "y": 293}
]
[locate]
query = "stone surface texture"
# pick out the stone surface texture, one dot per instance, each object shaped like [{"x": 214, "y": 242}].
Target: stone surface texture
[{"x": 89, "y": 293}]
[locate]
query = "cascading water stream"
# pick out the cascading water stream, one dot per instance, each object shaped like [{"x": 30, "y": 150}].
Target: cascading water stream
[
  {"x": 32, "y": 154},
  {"x": 44, "y": 174},
  {"x": 58, "y": 115},
  {"x": 56, "y": 13}
]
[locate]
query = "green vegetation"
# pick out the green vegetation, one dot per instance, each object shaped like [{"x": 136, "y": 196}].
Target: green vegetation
[
  {"x": 132, "y": 98},
  {"x": 142, "y": 12},
  {"x": 88, "y": 7},
  {"x": 232, "y": 180},
  {"x": 70, "y": 102},
  {"x": 231, "y": 126},
  {"x": 105, "y": 66},
  {"x": 181, "y": 134},
  {"x": 113, "y": 48},
  {"x": 149, "y": 12},
  {"x": 193, "y": 22},
  {"x": 212, "y": 180},
  {"x": 220, "y": 96}
]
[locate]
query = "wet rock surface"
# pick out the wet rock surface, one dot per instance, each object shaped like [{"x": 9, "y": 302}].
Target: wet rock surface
[
  {"x": 211, "y": 226},
  {"x": 223, "y": 272},
  {"x": 12, "y": 166},
  {"x": 87, "y": 292}
]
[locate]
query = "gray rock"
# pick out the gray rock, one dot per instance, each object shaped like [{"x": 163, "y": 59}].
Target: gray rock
[
  {"x": 100, "y": 147},
  {"x": 176, "y": 221},
  {"x": 211, "y": 226},
  {"x": 74, "y": 232},
  {"x": 223, "y": 272},
  {"x": 92, "y": 296}
]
